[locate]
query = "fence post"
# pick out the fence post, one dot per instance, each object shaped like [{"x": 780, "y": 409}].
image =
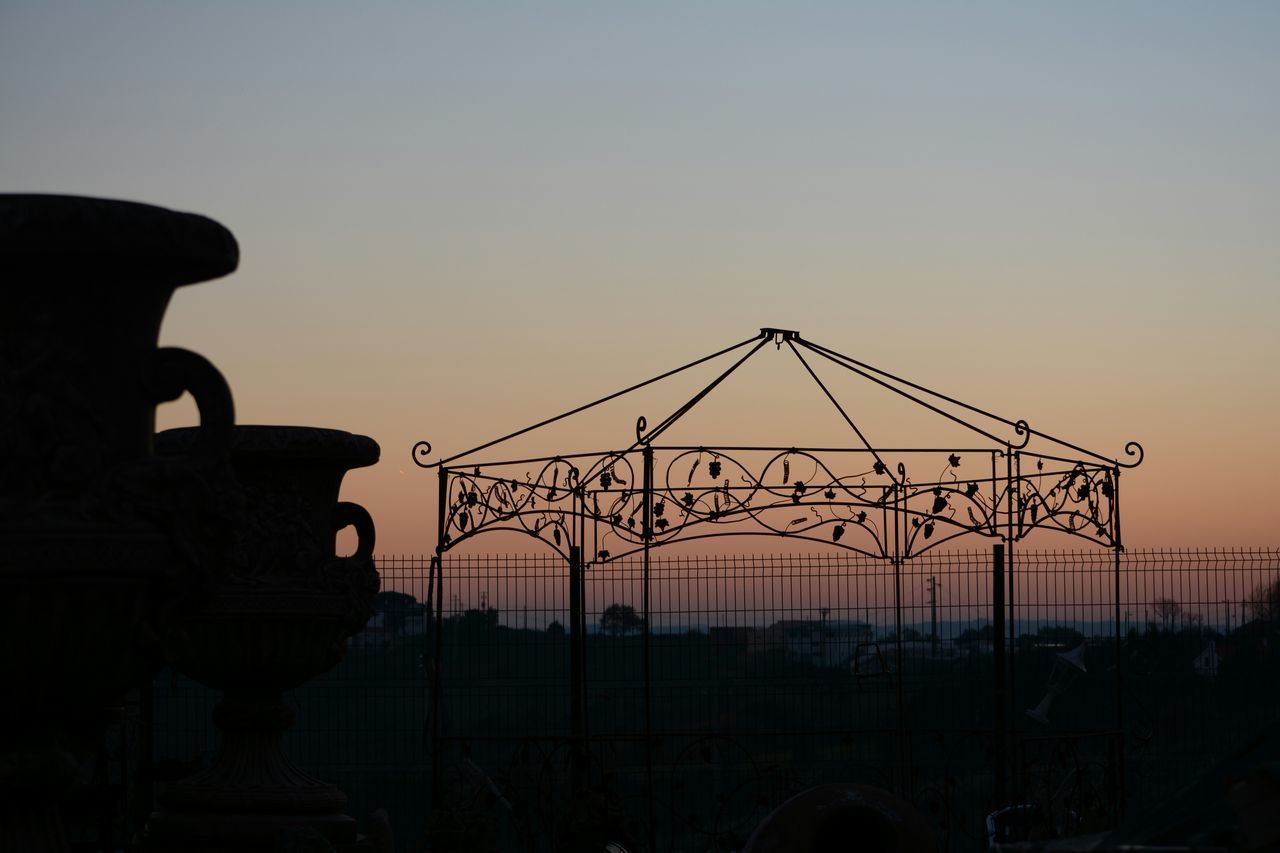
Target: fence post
[{"x": 999, "y": 735}]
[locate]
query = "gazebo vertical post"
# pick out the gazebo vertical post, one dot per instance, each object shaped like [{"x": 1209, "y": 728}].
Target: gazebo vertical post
[
  {"x": 647, "y": 519},
  {"x": 577, "y": 536},
  {"x": 1013, "y": 472},
  {"x": 577, "y": 641},
  {"x": 1117, "y": 548},
  {"x": 999, "y": 735},
  {"x": 437, "y": 759},
  {"x": 578, "y": 644},
  {"x": 899, "y": 531}
]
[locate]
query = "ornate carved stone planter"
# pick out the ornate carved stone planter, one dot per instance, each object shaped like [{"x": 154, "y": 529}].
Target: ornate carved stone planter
[
  {"x": 281, "y": 613},
  {"x": 100, "y": 541}
]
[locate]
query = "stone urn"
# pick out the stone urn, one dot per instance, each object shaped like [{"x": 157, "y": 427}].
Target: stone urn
[
  {"x": 281, "y": 612},
  {"x": 102, "y": 544}
]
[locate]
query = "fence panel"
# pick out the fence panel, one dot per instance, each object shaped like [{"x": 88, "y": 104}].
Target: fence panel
[{"x": 772, "y": 672}]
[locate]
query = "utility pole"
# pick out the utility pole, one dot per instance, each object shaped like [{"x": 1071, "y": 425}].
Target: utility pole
[{"x": 933, "y": 613}]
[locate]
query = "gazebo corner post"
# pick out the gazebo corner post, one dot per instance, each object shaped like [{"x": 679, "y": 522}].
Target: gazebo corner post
[
  {"x": 1016, "y": 530},
  {"x": 577, "y": 536},
  {"x": 647, "y": 538},
  {"x": 899, "y": 533},
  {"x": 999, "y": 734},
  {"x": 1117, "y": 549},
  {"x": 437, "y": 654},
  {"x": 577, "y": 661}
]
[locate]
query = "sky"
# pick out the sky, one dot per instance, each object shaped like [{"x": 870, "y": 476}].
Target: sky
[{"x": 457, "y": 219}]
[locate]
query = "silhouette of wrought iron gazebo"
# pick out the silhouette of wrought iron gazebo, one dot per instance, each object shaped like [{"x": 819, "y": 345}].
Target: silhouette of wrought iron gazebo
[{"x": 888, "y": 503}]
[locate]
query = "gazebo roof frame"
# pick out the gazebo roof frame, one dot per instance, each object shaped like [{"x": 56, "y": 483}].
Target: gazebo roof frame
[{"x": 1071, "y": 489}]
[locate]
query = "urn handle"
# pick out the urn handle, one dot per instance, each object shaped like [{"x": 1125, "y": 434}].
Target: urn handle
[
  {"x": 178, "y": 370},
  {"x": 353, "y": 515}
]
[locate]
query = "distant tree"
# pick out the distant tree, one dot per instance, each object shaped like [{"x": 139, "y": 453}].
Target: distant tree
[
  {"x": 909, "y": 635},
  {"x": 620, "y": 619},
  {"x": 1168, "y": 611},
  {"x": 555, "y": 629},
  {"x": 1264, "y": 602},
  {"x": 394, "y": 607},
  {"x": 1059, "y": 635},
  {"x": 973, "y": 635},
  {"x": 477, "y": 619}
]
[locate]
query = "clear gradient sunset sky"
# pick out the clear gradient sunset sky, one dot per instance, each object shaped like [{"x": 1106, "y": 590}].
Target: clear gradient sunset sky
[{"x": 459, "y": 218}]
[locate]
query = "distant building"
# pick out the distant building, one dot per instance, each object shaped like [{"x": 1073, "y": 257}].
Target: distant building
[
  {"x": 732, "y": 635},
  {"x": 825, "y": 642},
  {"x": 407, "y": 623},
  {"x": 972, "y": 647},
  {"x": 374, "y": 634},
  {"x": 1207, "y": 664}
]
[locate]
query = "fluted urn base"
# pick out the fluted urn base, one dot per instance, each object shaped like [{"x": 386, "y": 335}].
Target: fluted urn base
[
  {"x": 79, "y": 621},
  {"x": 253, "y": 797}
]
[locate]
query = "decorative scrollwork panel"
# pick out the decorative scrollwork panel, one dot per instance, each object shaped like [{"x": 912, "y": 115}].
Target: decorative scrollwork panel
[
  {"x": 539, "y": 501},
  {"x": 846, "y": 499}
]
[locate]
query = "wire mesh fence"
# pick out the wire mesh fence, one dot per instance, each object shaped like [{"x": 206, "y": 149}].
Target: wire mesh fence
[{"x": 759, "y": 675}]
